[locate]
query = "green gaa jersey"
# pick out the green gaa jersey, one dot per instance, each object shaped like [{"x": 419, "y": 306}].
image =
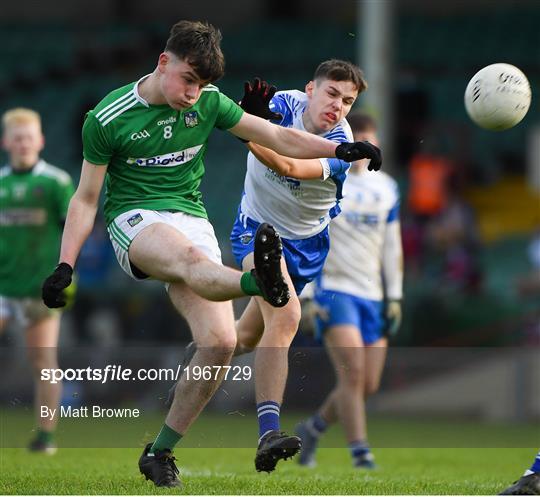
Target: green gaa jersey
[
  {"x": 154, "y": 152},
  {"x": 33, "y": 206}
]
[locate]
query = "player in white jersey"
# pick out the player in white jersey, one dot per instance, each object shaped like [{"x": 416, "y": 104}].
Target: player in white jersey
[
  {"x": 299, "y": 198},
  {"x": 358, "y": 294},
  {"x": 148, "y": 140}
]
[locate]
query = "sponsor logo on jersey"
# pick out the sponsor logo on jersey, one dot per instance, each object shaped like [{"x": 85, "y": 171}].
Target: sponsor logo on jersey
[
  {"x": 23, "y": 217},
  {"x": 191, "y": 119},
  {"x": 246, "y": 237},
  {"x": 168, "y": 160},
  {"x": 358, "y": 219},
  {"x": 140, "y": 134},
  {"x": 19, "y": 191},
  {"x": 293, "y": 185},
  {"x": 170, "y": 120},
  {"x": 135, "y": 220},
  {"x": 38, "y": 191}
]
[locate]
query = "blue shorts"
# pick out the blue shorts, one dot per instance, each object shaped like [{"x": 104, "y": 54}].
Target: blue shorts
[
  {"x": 304, "y": 258},
  {"x": 342, "y": 308}
]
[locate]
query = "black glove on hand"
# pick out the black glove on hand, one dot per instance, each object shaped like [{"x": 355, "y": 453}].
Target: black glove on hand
[
  {"x": 54, "y": 286},
  {"x": 392, "y": 317},
  {"x": 350, "y": 152},
  {"x": 256, "y": 99}
]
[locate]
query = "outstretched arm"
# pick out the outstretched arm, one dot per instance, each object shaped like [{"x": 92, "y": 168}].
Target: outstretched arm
[
  {"x": 287, "y": 166},
  {"x": 285, "y": 141},
  {"x": 82, "y": 212},
  {"x": 292, "y": 143},
  {"x": 302, "y": 145}
]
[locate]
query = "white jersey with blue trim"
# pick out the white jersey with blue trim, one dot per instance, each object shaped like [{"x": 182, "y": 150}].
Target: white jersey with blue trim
[
  {"x": 298, "y": 209},
  {"x": 355, "y": 261}
]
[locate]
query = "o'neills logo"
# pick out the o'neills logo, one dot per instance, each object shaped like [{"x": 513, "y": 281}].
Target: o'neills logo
[
  {"x": 170, "y": 120},
  {"x": 167, "y": 160}
]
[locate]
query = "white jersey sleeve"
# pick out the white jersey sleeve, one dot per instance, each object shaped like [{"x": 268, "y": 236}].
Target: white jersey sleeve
[
  {"x": 296, "y": 208},
  {"x": 392, "y": 261},
  {"x": 358, "y": 237}
]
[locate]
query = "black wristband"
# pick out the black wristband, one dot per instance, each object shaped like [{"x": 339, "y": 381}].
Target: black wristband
[
  {"x": 64, "y": 267},
  {"x": 342, "y": 151}
]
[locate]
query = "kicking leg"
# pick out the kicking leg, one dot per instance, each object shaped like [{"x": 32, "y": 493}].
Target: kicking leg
[
  {"x": 165, "y": 254},
  {"x": 162, "y": 252},
  {"x": 250, "y": 327},
  {"x": 212, "y": 327}
]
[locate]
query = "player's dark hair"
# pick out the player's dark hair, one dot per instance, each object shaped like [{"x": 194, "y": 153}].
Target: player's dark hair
[
  {"x": 341, "y": 70},
  {"x": 198, "y": 44},
  {"x": 361, "y": 122}
]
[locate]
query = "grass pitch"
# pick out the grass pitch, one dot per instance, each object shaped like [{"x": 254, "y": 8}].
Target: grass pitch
[{"x": 231, "y": 470}]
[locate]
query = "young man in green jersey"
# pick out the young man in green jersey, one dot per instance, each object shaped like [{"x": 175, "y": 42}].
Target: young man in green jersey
[
  {"x": 148, "y": 139},
  {"x": 34, "y": 197}
]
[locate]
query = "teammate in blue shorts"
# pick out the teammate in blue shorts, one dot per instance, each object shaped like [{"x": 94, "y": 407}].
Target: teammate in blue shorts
[
  {"x": 358, "y": 296},
  {"x": 299, "y": 198}
]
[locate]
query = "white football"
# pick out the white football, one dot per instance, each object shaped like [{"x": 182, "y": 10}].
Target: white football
[{"x": 498, "y": 97}]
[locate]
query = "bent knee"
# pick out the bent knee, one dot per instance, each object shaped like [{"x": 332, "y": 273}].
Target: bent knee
[
  {"x": 352, "y": 377},
  {"x": 287, "y": 318},
  {"x": 219, "y": 339},
  {"x": 192, "y": 255},
  {"x": 183, "y": 264},
  {"x": 247, "y": 341},
  {"x": 371, "y": 386}
]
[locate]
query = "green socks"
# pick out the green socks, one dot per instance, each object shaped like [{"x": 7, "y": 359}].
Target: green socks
[
  {"x": 166, "y": 439},
  {"x": 45, "y": 437},
  {"x": 249, "y": 284}
]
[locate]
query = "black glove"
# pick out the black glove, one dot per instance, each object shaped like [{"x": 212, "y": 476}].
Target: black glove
[
  {"x": 53, "y": 287},
  {"x": 256, "y": 99},
  {"x": 392, "y": 315},
  {"x": 350, "y": 152}
]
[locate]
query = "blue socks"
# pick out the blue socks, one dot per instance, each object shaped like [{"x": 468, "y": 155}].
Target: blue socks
[
  {"x": 268, "y": 414},
  {"x": 317, "y": 425},
  {"x": 535, "y": 468},
  {"x": 359, "y": 450}
]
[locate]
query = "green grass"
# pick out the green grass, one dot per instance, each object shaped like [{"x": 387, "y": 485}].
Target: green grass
[
  {"x": 239, "y": 430},
  {"x": 404, "y": 470},
  {"x": 231, "y": 471}
]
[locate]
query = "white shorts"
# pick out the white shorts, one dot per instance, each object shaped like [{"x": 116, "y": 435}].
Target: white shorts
[
  {"x": 128, "y": 225},
  {"x": 24, "y": 311}
]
